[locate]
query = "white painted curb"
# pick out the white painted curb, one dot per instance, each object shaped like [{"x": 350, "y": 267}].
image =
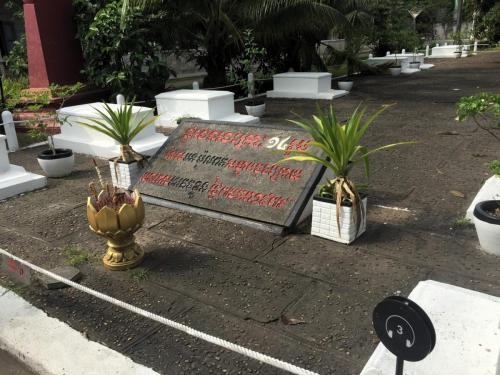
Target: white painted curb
[{"x": 51, "y": 347}]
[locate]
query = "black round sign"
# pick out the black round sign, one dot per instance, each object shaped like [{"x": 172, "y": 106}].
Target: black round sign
[{"x": 404, "y": 328}]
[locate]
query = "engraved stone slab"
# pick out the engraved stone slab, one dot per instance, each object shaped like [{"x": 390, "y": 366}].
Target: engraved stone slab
[{"x": 233, "y": 169}]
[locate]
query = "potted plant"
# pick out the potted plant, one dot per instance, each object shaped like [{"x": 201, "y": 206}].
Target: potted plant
[
  {"x": 116, "y": 215},
  {"x": 123, "y": 124},
  {"x": 55, "y": 162},
  {"x": 339, "y": 210},
  {"x": 254, "y": 107},
  {"x": 414, "y": 64},
  {"x": 345, "y": 85},
  {"x": 395, "y": 68},
  {"x": 484, "y": 110}
]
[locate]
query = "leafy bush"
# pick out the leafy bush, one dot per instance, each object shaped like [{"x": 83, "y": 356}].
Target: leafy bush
[
  {"x": 128, "y": 60},
  {"x": 17, "y": 59},
  {"x": 491, "y": 24},
  {"x": 253, "y": 58}
]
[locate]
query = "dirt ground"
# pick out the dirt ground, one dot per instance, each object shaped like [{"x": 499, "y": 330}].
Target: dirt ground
[{"x": 237, "y": 283}]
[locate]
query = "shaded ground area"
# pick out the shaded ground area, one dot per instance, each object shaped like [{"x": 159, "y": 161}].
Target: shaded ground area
[
  {"x": 237, "y": 283},
  {"x": 12, "y": 366}
]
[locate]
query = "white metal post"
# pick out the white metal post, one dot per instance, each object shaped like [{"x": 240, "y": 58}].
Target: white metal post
[{"x": 120, "y": 99}]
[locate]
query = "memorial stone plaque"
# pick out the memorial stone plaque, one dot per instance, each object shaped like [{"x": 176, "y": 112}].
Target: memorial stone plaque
[{"x": 229, "y": 171}]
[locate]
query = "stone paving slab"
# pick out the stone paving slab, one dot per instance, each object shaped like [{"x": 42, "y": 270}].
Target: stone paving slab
[
  {"x": 345, "y": 267},
  {"x": 221, "y": 235},
  {"x": 338, "y": 322},
  {"x": 245, "y": 288}
]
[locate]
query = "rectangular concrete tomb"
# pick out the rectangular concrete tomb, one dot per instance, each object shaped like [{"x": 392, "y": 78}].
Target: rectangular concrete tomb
[
  {"x": 450, "y": 51},
  {"x": 307, "y": 85},
  {"x": 230, "y": 171},
  {"x": 87, "y": 141},
  {"x": 467, "y": 334},
  {"x": 202, "y": 104},
  {"x": 13, "y": 178}
]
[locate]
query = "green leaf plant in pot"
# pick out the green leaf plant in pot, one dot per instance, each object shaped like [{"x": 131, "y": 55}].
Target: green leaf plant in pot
[
  {"x": 123, "y": 122},
  {"x": 339, "y": 210}
]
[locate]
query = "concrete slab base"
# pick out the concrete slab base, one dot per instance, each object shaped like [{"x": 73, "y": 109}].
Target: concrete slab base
[
  {"x": 106, "y": 150},
  {"x": 426, "y": 66},
  {"x": 409, "y": 70},
  {"x": 16, "y": 181},
  {"x": 326, "y": 95},
  {"x": 49, "y": 346},
  {"x": 467, "y": 325}
]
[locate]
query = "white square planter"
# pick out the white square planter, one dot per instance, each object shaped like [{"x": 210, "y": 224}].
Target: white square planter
[
  {"x": 324, "y": 221},
  {"x": 124, "y": 175}
]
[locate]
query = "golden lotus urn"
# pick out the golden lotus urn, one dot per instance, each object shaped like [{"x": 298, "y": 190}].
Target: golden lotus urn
[{"x": 117, "y": 216}]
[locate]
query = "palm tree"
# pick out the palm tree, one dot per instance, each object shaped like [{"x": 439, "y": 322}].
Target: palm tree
[
  {"x": 210, "y": 30},
  {"x": 294, "y": 28}
]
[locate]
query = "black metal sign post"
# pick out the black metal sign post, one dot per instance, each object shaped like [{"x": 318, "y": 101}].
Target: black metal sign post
[{"x": 405, "y": 330}]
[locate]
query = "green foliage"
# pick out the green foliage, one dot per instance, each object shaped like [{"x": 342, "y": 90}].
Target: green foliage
[
  {"x": 77, "y": 256},
  {"x": 462, "y": 222},
  {"x": 139, "y": 274},
  {"x": 393, "y": 29},
  {"x": 491, "y": 24},
  {"x": 17, "y": 59},
  {"x": 480, "y": 106},
  {"x": 128, "y": 60},
  {"x": 494, "y": 167},
  {"x": 121, "y": 124},
  {"x": 341, "y": 149},
  {"x": 252, "y": 59}
]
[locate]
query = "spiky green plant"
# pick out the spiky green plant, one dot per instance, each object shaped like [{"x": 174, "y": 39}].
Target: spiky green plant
[
  {"x": 122, "y": 125},
  {"x": 341, "y": 149}
]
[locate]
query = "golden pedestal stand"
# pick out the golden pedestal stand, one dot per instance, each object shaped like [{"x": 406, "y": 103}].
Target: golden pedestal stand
[{"x": 119, "y": 228}]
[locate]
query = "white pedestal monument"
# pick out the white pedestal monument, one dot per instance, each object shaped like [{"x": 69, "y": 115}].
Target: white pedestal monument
[
  {"x": 304, "y": 85},
  {"x": 202, "y": 104},
  {"x": 13, "y": 178},
  {"x": 450, "y": 51},
  {"x": 87, "y": 141},
  {"x": 467, "y": 334}
]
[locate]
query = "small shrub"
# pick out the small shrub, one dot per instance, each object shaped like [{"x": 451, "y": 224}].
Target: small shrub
[
  {"x": 139, "y": 274},
  {"x": 77, "y": 256}
]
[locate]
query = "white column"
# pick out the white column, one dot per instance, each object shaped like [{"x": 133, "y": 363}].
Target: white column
[
  {"x": 475, "y": 46},
  {"x": 10, "y": 131},
  {"x": 370, "y": 56},
  {"x": 196, "y": 85},
  {"x": 4, "y": 156},
  {"x": 120, "y": 99},
  {"x": 388, "y": 53},
  {"x": 437, "y": 44},
  {"x": 403, "y": 51},
  {"x": 427, "y": 50}
]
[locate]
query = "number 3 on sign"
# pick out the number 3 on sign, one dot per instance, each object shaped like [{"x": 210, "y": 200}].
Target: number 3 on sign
[{"x": 277, "y": 143}]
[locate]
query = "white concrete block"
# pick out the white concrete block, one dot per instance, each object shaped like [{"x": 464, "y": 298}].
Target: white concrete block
[
  {"x": 467, "y": 325},
  {"x": 305, "y": 85},
  {"x": 202, "y": 104},
  {"x": 13, "y": 178},
  {"x": 87, "y": 141}
]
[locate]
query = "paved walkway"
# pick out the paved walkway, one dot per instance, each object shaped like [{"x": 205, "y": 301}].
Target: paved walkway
[{"x": 242, "y": 284}]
